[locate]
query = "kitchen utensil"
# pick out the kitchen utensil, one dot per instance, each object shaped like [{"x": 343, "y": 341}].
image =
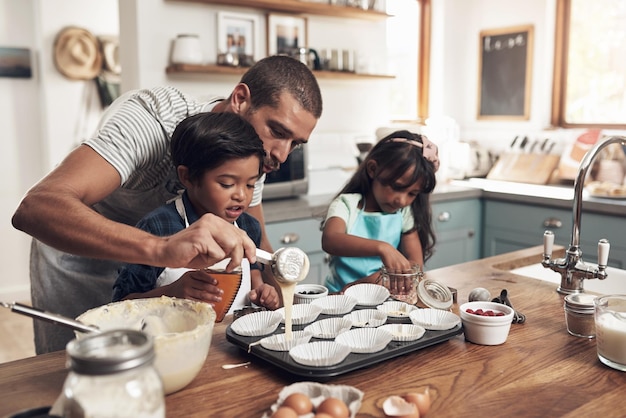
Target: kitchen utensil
[
  {"x": 289, "y": 264},
  {"x": 50, "y": 317}
]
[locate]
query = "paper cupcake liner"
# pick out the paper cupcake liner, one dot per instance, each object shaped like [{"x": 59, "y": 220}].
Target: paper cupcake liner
[
  {"x": 435, "y": 319},
  {"x": 368, "y": 294},
  {"x": 404, "y": 332},
  {"x": 367, "y": 318},
  {"x": 365, "y": 340},
  {"x": 319, "y": 353},
  {"x": 329, "y": 328}
]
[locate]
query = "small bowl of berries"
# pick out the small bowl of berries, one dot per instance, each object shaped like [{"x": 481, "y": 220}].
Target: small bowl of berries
[{"x": 486, "y": 323}]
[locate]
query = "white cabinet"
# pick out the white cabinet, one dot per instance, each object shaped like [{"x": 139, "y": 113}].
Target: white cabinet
[
  {"x": 458, "y": 229},
  {"x": 306, "y": 235}
]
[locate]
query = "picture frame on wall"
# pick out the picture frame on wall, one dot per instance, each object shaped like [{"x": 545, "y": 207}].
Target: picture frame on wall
[
  {"x": 505, "y": 73},
  {"x": 285, "y": 33},
  {"x": 238, "y": 33}
]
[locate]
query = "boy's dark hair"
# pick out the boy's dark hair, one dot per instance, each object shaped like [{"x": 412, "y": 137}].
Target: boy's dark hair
[
  {"x": 204, "y": 141},
  {"x": 271, "y": 76},
  {"x": 394, "y": 159}
]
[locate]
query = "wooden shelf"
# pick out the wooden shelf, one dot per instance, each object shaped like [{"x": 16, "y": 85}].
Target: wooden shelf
[
  {"x": 304, "y": 7},
  {"x": 222, "y": 69}
]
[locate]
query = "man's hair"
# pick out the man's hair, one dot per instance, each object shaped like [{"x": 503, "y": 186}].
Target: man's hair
[
  {"x": 271, "y": 76},
  {"x": 205, "y": 141}
]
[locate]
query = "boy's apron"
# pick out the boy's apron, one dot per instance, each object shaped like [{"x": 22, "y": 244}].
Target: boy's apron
[{"x": 170, "y": 275}]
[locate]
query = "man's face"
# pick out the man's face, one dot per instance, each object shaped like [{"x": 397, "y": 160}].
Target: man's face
[{"x": 281, "y": 129}]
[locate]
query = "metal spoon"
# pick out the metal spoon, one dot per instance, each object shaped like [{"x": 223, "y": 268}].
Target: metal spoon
[
  {"x": 49, "y": 317},
  {"x": 289, "y": 264}
]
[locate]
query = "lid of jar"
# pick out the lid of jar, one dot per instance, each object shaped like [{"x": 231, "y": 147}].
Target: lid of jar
[
  {"x": 110, "y": 352},
  {"x": 434, "y": 294},
  {"x": 581, "y": 301}
]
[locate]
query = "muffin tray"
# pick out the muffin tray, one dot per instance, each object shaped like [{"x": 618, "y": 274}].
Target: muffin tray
[{"x": 353, "y": 361}]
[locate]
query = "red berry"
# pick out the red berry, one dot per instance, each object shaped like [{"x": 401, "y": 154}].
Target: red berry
[
  {"x": 469, "y": 310},
  {"x": 478, "y": 311},
  {"x": 500, "y": 314}
]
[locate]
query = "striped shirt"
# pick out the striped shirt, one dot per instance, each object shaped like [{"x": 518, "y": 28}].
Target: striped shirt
[{"x": 134, "y": 137}]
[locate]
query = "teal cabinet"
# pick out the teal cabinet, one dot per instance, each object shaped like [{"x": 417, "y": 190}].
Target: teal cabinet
[
  {"x": 458, "y": 228},
  {"x": 306, "y": 235},
  {"x": 515, "y": 226}
]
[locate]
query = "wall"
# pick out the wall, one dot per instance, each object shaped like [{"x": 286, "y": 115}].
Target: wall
[{"x": 39, "y": 116}]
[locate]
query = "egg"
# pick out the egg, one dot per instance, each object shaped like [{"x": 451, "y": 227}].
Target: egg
[
  {"x": 299, "y": 402},
  {"x": 322, "y": 415},
  {"x": 421, "y": 400},
  {"x": 479, "y": 294},
  {"x": 285, "y": 412},
  {"x": 334, "y": 407}
]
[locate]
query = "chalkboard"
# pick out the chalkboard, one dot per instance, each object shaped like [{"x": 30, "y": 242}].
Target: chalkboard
[{"x": 505, "y": 73}]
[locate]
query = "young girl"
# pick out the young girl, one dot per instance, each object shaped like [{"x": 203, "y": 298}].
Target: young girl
[
  {"x": 218, "y": 158},
  {"x": 382, "y": 216}
]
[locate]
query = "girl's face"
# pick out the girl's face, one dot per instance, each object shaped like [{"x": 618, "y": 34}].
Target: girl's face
[
  {"x": 225, "y": 191},
  {"x": 390, "y": 198}
]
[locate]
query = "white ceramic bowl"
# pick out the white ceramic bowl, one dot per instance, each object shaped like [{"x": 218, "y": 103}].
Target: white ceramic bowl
[
  {"x": 335, "y": 304},
  {"x": 367, "y": 318},
  {"x": 319, "y": 353},
  {"x": 364, "y": 340},
  {"x": 486, "y": 330},
  {"x": 257, "y": 323},
  {"x": 368, "y": 294},
  {"x": 307, "y": 293},
  {"x": 182, "y": 331},
  {"x": 434, "y": 319},
  {"x": 302, "y": 313},
  {"x": 329, "y": 328}
]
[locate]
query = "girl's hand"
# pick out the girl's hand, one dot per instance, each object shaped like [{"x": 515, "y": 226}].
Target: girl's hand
[
  {"x": 265, "y": 295},
  {"x": 393, "y": 259}
]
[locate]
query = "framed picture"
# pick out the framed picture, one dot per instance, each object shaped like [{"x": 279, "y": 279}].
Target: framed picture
[
  {"x": 505, "y": 73},
  {"x": 238, "y": 33},
  {"x": 284, "y": 33},
  {"x": 15, "y": 62}
]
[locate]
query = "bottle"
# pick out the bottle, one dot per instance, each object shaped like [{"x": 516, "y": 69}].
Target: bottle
[{"x": 112, "y": 375}]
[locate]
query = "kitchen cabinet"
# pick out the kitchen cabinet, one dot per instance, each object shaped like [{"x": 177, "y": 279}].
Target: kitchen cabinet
[
  {"x": 513, "y": 226},
  {"x": 458, "y": 229},
  {"x": 306, "y": 235}
]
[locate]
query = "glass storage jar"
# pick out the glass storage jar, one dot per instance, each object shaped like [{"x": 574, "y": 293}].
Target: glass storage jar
[
  {"x": 112, "y": 375},
  {"x": 579, "y": 310}
]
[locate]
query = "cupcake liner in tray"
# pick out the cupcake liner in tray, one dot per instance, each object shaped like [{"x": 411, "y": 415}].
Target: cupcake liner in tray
[{"x": 353, "y": 361}]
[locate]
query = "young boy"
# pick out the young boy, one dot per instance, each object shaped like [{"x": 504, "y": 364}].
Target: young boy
[{"x": 218, "y": 158}]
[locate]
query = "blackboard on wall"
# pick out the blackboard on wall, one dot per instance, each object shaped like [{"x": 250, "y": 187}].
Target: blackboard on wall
[{"x": 505, "y": 73}]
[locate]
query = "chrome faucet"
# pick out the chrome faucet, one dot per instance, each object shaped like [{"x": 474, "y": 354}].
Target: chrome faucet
[{"x": 572, "y": 268}]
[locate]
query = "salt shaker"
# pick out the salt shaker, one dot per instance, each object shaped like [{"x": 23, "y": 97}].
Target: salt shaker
[{"x": 112, "y": 374}]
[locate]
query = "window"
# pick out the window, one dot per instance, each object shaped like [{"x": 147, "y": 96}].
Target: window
[
  {"x": 590, "y": 64},
  {"x": 408, "y": 40}
]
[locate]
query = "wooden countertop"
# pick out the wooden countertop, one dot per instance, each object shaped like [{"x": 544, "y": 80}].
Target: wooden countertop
[{"x": 540, "y": 371}]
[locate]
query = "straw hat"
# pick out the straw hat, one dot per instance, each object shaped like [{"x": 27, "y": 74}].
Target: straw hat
[
  {"x": 77, "y": 54},
  {"x": 111, "y": 54}
]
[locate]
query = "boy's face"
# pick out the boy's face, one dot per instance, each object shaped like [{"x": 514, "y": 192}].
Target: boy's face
[{"x": 225, "y": 191}]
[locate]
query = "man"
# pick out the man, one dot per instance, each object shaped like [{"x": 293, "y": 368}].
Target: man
[{"x": 82, "y": 214}]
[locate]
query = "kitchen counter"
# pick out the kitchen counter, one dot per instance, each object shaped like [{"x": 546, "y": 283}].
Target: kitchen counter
[
  {"x": 540, "y": 371},
  {"x": 314, "y": 206}
]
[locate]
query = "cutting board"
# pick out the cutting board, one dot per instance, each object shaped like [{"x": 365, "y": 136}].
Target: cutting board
[{"x": 524, "y": 168}]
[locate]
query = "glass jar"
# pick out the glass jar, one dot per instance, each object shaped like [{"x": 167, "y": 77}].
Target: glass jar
[
  {"x": 112, "y": 375},
  {"x": 579, "y": 310}
]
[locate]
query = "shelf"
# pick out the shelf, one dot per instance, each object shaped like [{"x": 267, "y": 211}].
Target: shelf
[
  {"x": 222, "y": 69},
  {"x": 296, "y": 6}
]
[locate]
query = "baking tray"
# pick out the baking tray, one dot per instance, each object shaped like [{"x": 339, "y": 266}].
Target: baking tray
[{"x": 352, "y": 362}]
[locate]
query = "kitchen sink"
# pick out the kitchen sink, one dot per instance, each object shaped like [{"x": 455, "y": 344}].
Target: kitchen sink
[{"x": 615, "y": 283}]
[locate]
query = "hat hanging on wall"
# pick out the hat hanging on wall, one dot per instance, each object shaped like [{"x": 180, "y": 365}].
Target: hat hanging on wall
[
  {"x": 77, "y": 54},
  {"x": 111, "y": 54}
]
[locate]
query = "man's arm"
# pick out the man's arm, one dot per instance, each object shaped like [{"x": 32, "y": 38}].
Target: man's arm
[{"x": 57, "y": 211}]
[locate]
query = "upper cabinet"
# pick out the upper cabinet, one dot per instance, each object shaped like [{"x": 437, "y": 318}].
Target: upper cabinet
[{"x": 304, "y": 7}]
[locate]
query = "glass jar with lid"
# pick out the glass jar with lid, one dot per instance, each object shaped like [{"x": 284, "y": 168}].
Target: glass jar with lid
[
  {"x": 112, "y": 374},
  {"x": 579, "y": 315}
]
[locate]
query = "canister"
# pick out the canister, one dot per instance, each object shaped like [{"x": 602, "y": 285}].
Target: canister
[
  {"x": 579, "y": 311},
  {"x": 112, "y": 375},
  {"x": 433, "y": 294}
]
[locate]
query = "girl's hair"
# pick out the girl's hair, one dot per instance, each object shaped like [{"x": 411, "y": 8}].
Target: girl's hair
[
  {"x": 205, "y": 141},
  {"x": 394, "y": 157},
  {"x": 271, "y": 76}
]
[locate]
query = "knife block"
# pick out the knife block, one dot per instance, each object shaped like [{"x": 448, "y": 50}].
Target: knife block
[{"x": 524, "y": 168}]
